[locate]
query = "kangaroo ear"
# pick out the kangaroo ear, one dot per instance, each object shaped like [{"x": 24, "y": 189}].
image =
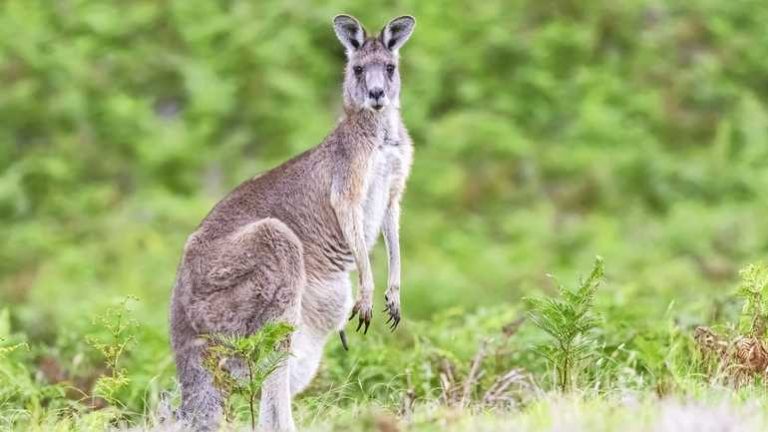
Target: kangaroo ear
[
  {"x": 349, "y": 31},
  {"x": 397, "y": 32}
]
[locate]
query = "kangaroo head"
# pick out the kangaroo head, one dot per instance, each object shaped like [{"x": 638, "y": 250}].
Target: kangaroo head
[{"x": 371, "y": 77}]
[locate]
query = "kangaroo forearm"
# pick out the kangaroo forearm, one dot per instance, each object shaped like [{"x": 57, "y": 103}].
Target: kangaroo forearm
[
  {"x": 363, "y": 265},
  {"x": 391, "y": 230},
  {"x": 392, "y": 242},
  {"x": 352, "y": 228}
]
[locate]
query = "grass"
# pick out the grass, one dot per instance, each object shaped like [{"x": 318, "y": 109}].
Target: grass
[
  {"x": 480, "y": 371},
  {"x": 558, "y": 413}
]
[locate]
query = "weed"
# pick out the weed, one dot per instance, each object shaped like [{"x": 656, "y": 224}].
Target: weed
[
  {"x": 120, "y": 329},
  {"x": 568, "y": 319},
  {"x": 754, "y": 291},
  {"x": 742, "y": 357},
  {"x": 258, "y": 354}
]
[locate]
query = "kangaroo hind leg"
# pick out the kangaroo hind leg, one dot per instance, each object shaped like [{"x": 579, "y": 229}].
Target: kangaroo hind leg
[{"x": 256, "y": 276}]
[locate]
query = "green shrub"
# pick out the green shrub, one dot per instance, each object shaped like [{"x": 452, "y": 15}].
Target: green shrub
[
  {"x": 259, "y": 354},
  {"x": 569, "y": 320}
]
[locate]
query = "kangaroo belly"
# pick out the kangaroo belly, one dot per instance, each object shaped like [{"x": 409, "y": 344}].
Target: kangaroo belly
[{"x": 326, "y": 303}]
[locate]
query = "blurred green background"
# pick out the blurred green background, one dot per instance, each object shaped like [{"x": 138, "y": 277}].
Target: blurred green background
[{"x": 546, "y": 132}]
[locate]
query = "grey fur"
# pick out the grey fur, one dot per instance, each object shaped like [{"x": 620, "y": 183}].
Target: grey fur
[{"x": 280, "y": 247}]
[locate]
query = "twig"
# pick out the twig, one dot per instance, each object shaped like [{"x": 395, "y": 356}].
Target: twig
[
  {"x": 409, "y": 398},
  {"x": 511, "y": 328},
  {"x": 447, "y": 381},
  {"x": 497, "y": 390},
  {"x": 473, "y": 374}
]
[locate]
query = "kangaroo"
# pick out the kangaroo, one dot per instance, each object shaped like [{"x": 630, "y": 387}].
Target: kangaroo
[{"x": 281, "y": 246}]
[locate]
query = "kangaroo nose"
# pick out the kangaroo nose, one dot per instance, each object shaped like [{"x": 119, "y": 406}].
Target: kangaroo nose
[{"x": 376, "y": 93}]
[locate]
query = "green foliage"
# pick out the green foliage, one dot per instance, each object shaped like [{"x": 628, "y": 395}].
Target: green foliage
[
  {"x": 552, "y": 131},
  {"x": 22, "y": 394},
  {"x": 754, "y": 291},
  {"x": 7, "y": 348},
  {"x": 8, "y": 367},
  {"x": 569, "y": 320},
  {"x": 545, "y": 132},
  {"x": 259, "y": 354},
  {"x": 120, "y": 329}
]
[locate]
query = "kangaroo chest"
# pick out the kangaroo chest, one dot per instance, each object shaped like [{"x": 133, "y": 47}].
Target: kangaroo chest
[{"x": 386, "y": 166}]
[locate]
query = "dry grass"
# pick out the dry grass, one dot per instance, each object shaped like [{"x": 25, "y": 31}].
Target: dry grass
[{"x": 737, "y": 361}]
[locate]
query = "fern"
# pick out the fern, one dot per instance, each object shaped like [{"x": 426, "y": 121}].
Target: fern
[
  {"x": 6, "y": 348},
  {"x": 754, "y": 314},
  {"x": 568, "y": 319},
  {"x": 121, "y": 330},
  {"x": 260, "y": 354}
]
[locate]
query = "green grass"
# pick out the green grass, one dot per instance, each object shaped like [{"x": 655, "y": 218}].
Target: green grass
[{"x": 457, "y": 371}]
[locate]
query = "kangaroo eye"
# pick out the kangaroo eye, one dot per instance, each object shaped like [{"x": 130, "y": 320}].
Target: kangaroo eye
[
  {"x": 358, "y": 70},
  {"x": 390, "y": 69}
]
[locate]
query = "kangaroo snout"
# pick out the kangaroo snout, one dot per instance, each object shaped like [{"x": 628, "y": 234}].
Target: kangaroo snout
[
  {"x": 376, "y": 93},
  {"x": 377, "y": 98}
]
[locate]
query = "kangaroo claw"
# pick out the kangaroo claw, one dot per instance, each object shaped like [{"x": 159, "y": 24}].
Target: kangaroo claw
[
  {"x": 395, "y": 324},
  {"x": 364, "y": 313},
  {"x": 343, "y": 337},
  {"x": 392, "y": 308},
  {"x": 364, "y": 320}
]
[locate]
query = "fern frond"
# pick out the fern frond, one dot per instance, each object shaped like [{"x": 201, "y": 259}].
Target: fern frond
[{"x": 568, "y": 319}]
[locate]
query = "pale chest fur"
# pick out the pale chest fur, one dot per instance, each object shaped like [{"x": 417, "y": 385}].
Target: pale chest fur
[
  {"x": 383, "y": 168},
  {"x": 390, "y": 163}
]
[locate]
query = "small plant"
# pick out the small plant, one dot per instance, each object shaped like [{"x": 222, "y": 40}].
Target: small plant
[
  {"x": 740, "y": 357},
  {"x": 8, "y": 369},
  {"x": 568, "y": 319},
  {"x": 258, "y": 355},
  {"x": 754, "y": 291},
  {"x": 120, "y": 329},
  {"x": 6, "y": 347},
  {"x": 5, "y": 350}
]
